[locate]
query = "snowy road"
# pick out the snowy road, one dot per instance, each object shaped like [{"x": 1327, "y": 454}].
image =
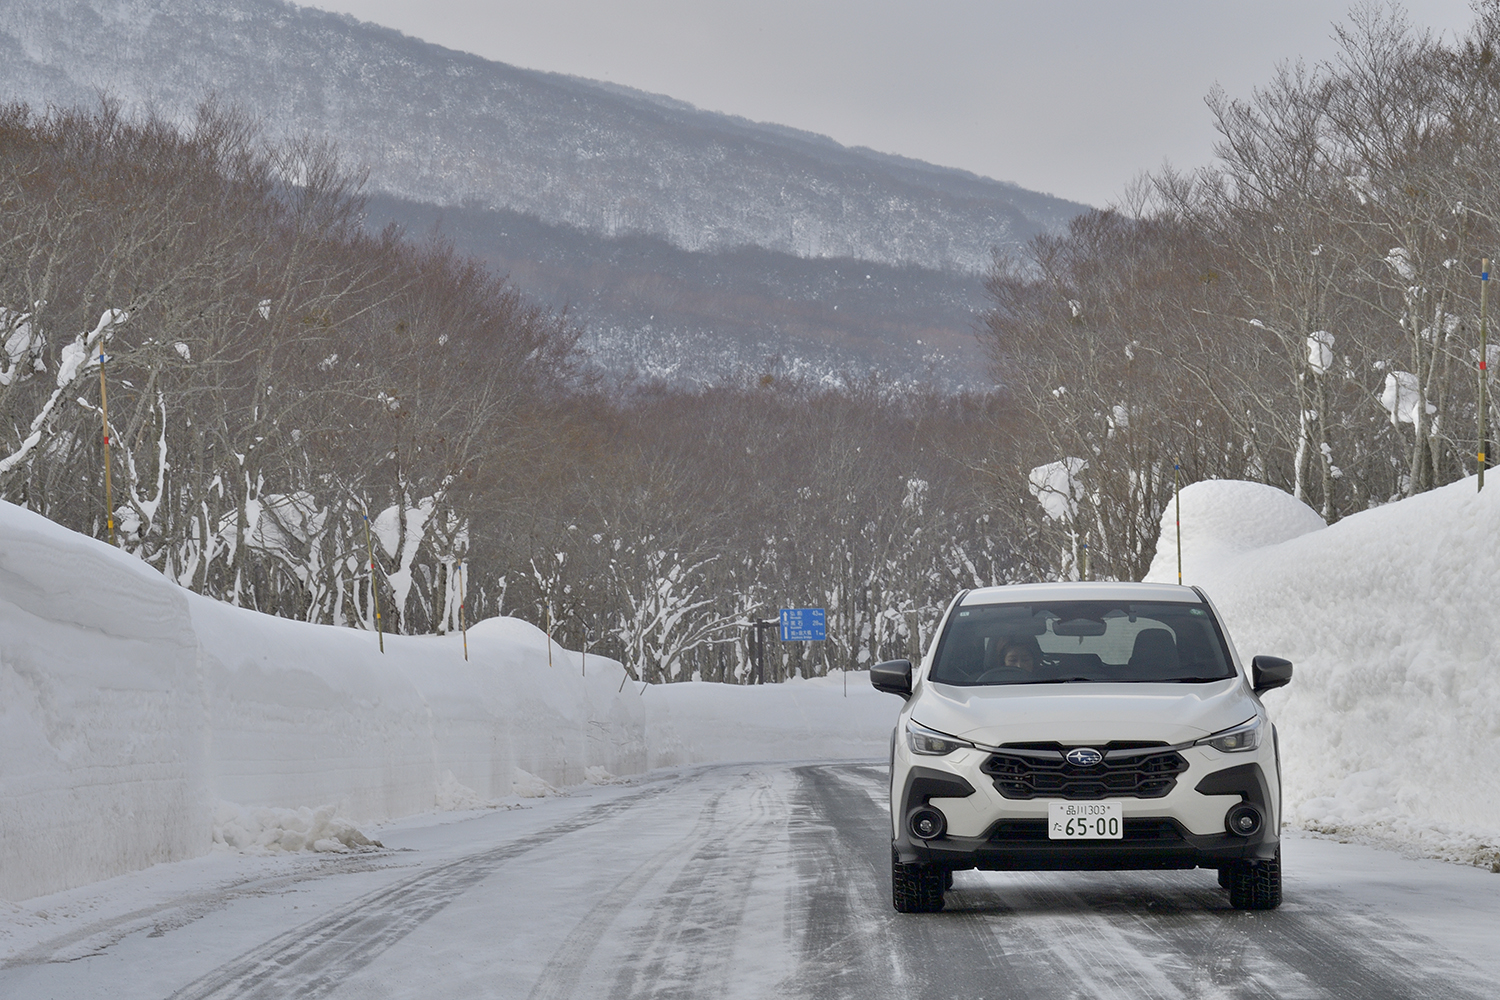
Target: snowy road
[{"x": 737, "y": 881}]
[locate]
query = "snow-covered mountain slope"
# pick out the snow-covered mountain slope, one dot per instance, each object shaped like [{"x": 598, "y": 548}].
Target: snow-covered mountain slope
[
  {"x": 1389, "y": 728},
  {"x": 140, "y": 723},
  {"x": 694, "y": 317},
  {"x": 442, "y": 126}
]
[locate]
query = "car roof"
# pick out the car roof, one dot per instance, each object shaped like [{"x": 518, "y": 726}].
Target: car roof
[{"x": 1017, "y": 593}]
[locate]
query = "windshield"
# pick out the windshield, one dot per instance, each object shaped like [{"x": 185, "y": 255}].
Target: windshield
[{"x": 1081, "y": 641}]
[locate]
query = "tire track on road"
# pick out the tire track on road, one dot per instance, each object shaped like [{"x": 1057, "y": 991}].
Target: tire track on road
[
  {"x": 98, "y": 937},
  {"x": 560, "y": 978},
  {"x": 854, "y": 943},
  {"x": 1144, "y": 934},
  {"x": 688, "y": 943},
  {"x": 310, "y": 960}
]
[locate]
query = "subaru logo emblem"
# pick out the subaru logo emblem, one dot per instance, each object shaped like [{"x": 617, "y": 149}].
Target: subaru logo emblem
[{"x": 1084, "y": 757}]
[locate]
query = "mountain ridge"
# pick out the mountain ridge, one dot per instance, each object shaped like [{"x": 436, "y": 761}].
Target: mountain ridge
[{"x": 441, "y": 125}]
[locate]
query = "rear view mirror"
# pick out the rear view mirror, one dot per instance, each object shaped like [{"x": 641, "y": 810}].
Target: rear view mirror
[
  {"x": 1267, "y": 672},
  {"x": 1078, "y": 626},
  {"x": 892, "y": 677}
]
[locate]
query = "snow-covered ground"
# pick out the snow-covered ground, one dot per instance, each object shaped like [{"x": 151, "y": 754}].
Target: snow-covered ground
[
  {"x": 140, "y": 723},
  {"x": 736, "y": 881}
]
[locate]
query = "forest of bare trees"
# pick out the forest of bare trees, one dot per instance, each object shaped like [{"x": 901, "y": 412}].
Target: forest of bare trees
[
  {"x": 306, "y": 418},
  {"x": 317, "y": 422},
  {"x": 1305, "y": 312}
]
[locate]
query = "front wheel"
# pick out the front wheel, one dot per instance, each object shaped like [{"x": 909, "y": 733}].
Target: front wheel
[
  {"x": 1253, "y": 885},
  {"x": 917, "y": 888}
]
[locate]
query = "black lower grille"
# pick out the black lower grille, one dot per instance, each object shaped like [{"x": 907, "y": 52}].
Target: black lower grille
[{"x": 1039, "y": 770}]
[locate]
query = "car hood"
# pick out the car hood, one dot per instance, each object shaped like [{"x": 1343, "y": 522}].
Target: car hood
[{"x": 1083, "y": 713}]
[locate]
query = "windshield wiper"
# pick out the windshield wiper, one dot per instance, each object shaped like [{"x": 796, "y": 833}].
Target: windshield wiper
[
  {"x": 1059, "y": 680},
  {"x": 1195, "y": 680}
]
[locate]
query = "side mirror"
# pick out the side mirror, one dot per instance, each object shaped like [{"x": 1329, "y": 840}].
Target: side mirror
[
  {"x": 1267, "y": 672},
  {"x": 892, "y": 677}
]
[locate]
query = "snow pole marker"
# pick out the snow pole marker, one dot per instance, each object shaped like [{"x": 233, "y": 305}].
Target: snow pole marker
[
  {"x": 374, "y": 584},
  {"x": 1177, "y": 499},
  {"x": 549, "y": 635},
  {"x": 1483, "y": 408},
  {"x": 109, "y": 500},
  {"x": 463, "y": 626}
]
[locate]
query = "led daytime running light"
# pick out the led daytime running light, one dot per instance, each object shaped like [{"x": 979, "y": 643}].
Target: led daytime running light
[
  {"x": 1237, "y": 739},
  {"x": 930, "y": 742}
]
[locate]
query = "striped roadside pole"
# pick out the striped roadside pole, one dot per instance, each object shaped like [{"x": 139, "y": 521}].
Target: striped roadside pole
[
  {"x": 374, "y": 583},
  {"x": 463, "y": 625},
  {"x": 109, "y": 500},
  {"x": 1177, "y": 500},
  {"x": 1483, "y": 408}
]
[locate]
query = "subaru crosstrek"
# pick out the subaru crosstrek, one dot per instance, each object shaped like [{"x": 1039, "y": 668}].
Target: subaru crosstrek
[{"x": 1083, "y": 726}]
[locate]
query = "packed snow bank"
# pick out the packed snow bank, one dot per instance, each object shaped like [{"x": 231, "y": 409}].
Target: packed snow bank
[
  {"x": 140, "y": 723},
  {"x": 1222, "y": 519},
  {"x": 820, "y": 718},
  {"x": 272, "y": 831},
  {"x": 1392, "y": 617}
]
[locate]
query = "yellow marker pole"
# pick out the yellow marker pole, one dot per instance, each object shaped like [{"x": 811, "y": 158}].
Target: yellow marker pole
[
  {"x": 1177, "y": 499},
  {"x": 462, "y": 624},
  {"x": 109, "y": 500},
  {"x": 374, "y": 584},
  {"x": 1484, "y": 287}
]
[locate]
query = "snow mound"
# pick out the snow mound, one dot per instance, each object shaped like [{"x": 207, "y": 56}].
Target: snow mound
[
  {"x": 1368, "y": 806},
  {"x": 1222, "y": 518},
  {"x": 267, "y": 830},
  {"x": 1392, "y": 617},
  {"x": 529, "y": 786},
  {"x": 454, "y": 796}
]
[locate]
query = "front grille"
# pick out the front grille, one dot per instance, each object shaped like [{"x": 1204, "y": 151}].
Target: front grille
[
  {"x": 1039, "y": 770},
  {"x": 1028, "y": 831}
]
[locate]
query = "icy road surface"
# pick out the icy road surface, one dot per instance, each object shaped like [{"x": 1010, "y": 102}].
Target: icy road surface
[{"x": 737, "y": 881}]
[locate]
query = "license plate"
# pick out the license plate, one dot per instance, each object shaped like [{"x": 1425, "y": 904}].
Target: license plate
[{"x": 1085, "y": 820}]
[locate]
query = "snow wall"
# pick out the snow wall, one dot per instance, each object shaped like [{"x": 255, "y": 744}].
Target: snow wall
[
  {"x": 1389, "y": 729},
  {"x": 135, "y": 717}
]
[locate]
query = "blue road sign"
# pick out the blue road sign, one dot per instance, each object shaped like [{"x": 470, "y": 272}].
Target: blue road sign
[{"x": 803, "y": 625}]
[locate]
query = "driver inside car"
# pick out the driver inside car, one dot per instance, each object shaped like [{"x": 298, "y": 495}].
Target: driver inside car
[{"x": 1019, "y": 655}]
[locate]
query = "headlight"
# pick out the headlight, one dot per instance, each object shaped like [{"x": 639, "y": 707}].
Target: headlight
[
  {"x": 1245, "y": 736},
  {"x": 931, "y": 743}
]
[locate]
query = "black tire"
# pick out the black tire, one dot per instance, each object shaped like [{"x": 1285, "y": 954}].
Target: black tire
[
  {"x": 948, "y": 879},
  {"x": 1223, "y": 878},
  {"x": 1254, "y": 885},
  {"x": 917, "y": 888}
]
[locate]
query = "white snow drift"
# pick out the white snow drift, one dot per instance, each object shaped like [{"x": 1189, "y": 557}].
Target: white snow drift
[
  {"x": 1392, "y": 617},
  {"x": 140, "y": 723}
]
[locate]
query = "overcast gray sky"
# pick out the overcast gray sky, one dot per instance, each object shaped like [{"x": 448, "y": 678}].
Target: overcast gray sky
[{"x": 1072, "y": 98}]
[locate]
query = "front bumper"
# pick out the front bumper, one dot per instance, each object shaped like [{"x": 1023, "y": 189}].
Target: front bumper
[
  {"x": 1183, "y": 829},
  {"x": 1148, "y": 843}
]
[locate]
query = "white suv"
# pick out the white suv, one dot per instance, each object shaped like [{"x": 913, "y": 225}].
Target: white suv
[{"x": 1083, "y": 726}]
